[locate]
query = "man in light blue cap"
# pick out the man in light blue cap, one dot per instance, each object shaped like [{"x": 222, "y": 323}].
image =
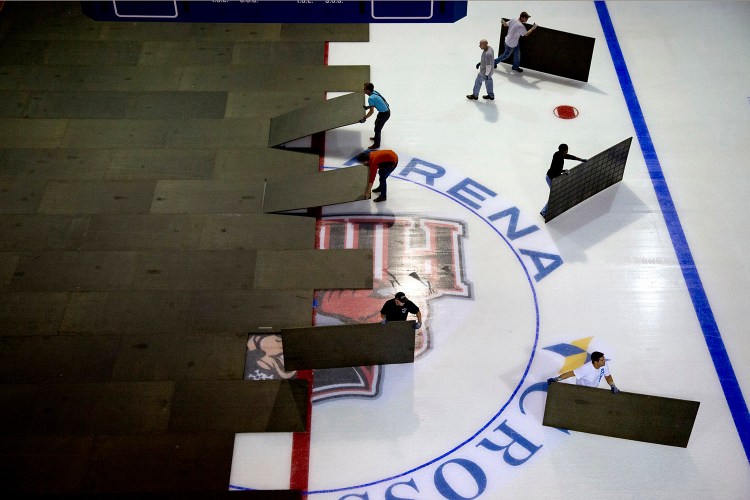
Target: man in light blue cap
[{"x": 516, "y": 30}]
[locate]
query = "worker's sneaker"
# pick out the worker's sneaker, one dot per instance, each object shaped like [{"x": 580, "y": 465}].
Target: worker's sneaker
[
  {"x": 472, "y": 97},
  {"x": 379, "y": 199},
  {"x": 490, "y": 97}
]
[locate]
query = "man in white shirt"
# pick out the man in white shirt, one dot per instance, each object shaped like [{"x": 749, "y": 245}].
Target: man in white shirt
[
  {"x": 590, "y": 374},
  {"x": 516, "y": 30},
  {"x": 486, "y": 68}
]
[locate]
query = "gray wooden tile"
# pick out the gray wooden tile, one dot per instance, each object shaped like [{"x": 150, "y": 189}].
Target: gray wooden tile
[
  {"x": 195, "y": 270},
  {"x": 278, "y": 53},
  {"x": 207, "y": 197},
  {"x": 164, "y": 463},
  {"x": 240, "y": 231},
  {"x": 42, "y": 232},
  {"x": 187, "y": 133},
  {"x": 230, "y": 132},
  {"x": 142, "y": 232},
  {"x": 316, "y": 190},
  {"x": 76, "y": 105},
  {"x": 102, "y": 197},
  {"x": 17, "y": 78},
  {"x": 181, "y": 357},
  {"x": 184, "y": 164},
  {"x": 114, "y": 104},
  {"x": 257, "y": 164},
  {"x": 53, "y": 164},
  {"x": 319, "y": 269},
  {"x": 20, "y": 133},
  {"x": 125, "y": 312},
  {"x": 31, "y": 313},
  {"x": 22, "y": 51},
  {"x": 87, "y": 408},
  {"x": 13, "y": 103},
  {"x": 94, "y": 78},
  {"x": 245, "y": 78},
  {"x": 115, "y": 133},
  {"x": 18, "y": 197},
  {"x": 235, "y": 31},
  {"x": 55, "y": 359},
  {"x": 96, "y": 53},
  {"x": 186, "y": 53},
  {"x": 74, "y": 271},
  {"x": 176, "y": 104},
  {"x": 269, "y": 103},
  {"x": 316, "y": 117},
  {"x": 259, "y": 311},
  {"x": 8, "y": 264},
  {"x": 239, "y": 406}
]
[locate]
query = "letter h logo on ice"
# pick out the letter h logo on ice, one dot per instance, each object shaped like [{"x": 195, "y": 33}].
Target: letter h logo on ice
[{"x": 422, "y": 257}]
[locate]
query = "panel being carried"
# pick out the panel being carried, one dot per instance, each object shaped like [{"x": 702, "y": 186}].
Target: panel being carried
[
  {"x": 348, "y": 345},
  {"x": 315, "y": 190},
  {"x": 554, "y": 52},
  {"x": 587, "y": 179},
  {"x": 637, "y": 417},
  {"x": 318, "y": 117}
]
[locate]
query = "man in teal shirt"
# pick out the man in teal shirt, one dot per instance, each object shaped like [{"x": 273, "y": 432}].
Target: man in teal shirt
[{"x": 376, "y": 101}]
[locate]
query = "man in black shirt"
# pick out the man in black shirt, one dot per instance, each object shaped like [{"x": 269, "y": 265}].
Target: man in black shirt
[
  {"x": 398, "y": 308},
  {"x": 556, "y": 168}
]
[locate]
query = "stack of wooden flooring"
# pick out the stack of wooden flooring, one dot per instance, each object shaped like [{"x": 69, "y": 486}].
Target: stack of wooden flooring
[{"x": 134, "y": 248}]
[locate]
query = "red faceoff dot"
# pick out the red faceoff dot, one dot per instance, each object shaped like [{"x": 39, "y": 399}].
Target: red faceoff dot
[{"x": 566, "y": 112}]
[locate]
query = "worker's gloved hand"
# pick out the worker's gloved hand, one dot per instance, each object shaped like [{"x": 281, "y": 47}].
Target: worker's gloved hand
[
  {"x": 362, "y": 120},
  {"x": 383, "y": 321},
  {"x": 614, "y": 389},
  {"x": 551, "y": 380},
  {"x": 417, "y": 325},
  {"x": 478, "y": 65},
  {"x": 584, "y": 161}
]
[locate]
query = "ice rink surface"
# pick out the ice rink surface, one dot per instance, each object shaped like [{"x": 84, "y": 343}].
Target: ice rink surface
[{"x": 527, "y": 298}]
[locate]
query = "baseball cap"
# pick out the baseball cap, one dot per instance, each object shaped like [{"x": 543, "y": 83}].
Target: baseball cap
[
  {"x": 524, "y": 14},
  {"x": 401, "y": 296}
]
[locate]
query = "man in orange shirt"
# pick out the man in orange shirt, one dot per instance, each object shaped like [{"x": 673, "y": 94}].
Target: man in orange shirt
[{"x": 383, "y": 163}]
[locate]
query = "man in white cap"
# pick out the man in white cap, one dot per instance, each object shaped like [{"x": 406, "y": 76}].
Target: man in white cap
[{"x": 516, "y": 30}]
